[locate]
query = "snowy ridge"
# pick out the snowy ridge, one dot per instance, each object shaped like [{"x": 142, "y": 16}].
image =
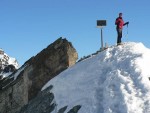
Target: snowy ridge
[{"x": 114, "y": 81}]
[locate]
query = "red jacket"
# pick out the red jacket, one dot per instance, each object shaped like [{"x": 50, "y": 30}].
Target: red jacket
[{"x": 119, "y": 22}]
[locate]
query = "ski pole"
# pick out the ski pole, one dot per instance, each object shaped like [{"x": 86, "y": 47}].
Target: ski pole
[{"x": 127, "y": 31}]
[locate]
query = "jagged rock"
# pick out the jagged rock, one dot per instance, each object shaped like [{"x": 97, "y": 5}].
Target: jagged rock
[
  {"x": 62, "y": 110},
  {"x": 35, "y": 73},
  {"x": 75, "y": 109},
  {"x": 50, "y": 62}
]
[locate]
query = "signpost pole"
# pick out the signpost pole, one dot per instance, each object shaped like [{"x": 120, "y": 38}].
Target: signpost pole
[
  {"x": 101, "y": 24},
  {"x": 102, "y": 46}
]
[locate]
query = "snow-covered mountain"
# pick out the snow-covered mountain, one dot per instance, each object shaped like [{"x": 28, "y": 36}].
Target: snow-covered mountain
[
  {"x": 115, "y": 80},
  {"x": 7, "y": 64}
]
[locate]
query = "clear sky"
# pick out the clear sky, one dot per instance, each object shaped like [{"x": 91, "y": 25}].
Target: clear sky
[{"x": 28, "y": 26}]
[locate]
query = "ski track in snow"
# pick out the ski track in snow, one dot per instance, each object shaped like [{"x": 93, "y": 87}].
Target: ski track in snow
[{"x": 118, "y": 84}]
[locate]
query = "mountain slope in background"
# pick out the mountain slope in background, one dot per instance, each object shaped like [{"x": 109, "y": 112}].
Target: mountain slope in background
[
  {"x": 115, "y": 80},
  {"x": 7, "y": 64}
]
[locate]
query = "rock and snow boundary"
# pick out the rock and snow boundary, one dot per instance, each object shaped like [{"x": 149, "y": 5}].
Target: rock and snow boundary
[{"x": 113, "y": 81}]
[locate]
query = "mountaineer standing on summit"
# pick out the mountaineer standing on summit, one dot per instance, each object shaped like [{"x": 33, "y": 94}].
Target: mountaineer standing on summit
[{"x": 119, "y": 26}]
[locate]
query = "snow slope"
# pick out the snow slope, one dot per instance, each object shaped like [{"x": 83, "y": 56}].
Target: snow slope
[{"x": 113, "y": 81}]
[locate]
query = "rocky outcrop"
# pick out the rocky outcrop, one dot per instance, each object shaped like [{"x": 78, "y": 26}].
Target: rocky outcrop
[
  {"x": 49, "y": 63},
  {"x": 35, "y": 73},
  {"x": 14, "y": 95}
]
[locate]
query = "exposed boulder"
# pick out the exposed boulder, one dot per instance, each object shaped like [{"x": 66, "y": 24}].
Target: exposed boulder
[{"x": 48, "y": 63}]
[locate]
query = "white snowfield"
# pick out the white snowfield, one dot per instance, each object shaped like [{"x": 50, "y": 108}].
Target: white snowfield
[{"x": 113, "y": 81}]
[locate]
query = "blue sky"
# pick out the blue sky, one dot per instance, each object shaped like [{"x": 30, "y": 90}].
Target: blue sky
[{"x": 28, "y": 26}]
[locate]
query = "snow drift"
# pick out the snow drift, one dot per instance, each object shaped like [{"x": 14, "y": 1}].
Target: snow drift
[{"x": 115, "y": 80}]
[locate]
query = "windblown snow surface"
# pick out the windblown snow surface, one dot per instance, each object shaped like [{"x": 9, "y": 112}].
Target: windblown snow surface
[{"x": 113, "y": 81}]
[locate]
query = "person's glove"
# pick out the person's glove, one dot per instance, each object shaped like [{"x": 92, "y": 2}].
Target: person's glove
[{"x": 127, "y": 23}]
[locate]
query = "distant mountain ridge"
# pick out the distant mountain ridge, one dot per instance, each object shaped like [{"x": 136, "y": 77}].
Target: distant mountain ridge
[{"x": 7, "y": 64}]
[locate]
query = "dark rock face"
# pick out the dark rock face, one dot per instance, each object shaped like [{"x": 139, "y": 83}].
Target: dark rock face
[
  {"x": 9, "y": 68},
  {"x": 35, "y": 73},
  {"x": 75, "y": 109},
  {"x": 44, "y": 102}
]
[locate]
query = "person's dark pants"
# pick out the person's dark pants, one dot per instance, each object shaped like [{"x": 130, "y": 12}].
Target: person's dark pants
[{"x": 119, "y": 33}]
